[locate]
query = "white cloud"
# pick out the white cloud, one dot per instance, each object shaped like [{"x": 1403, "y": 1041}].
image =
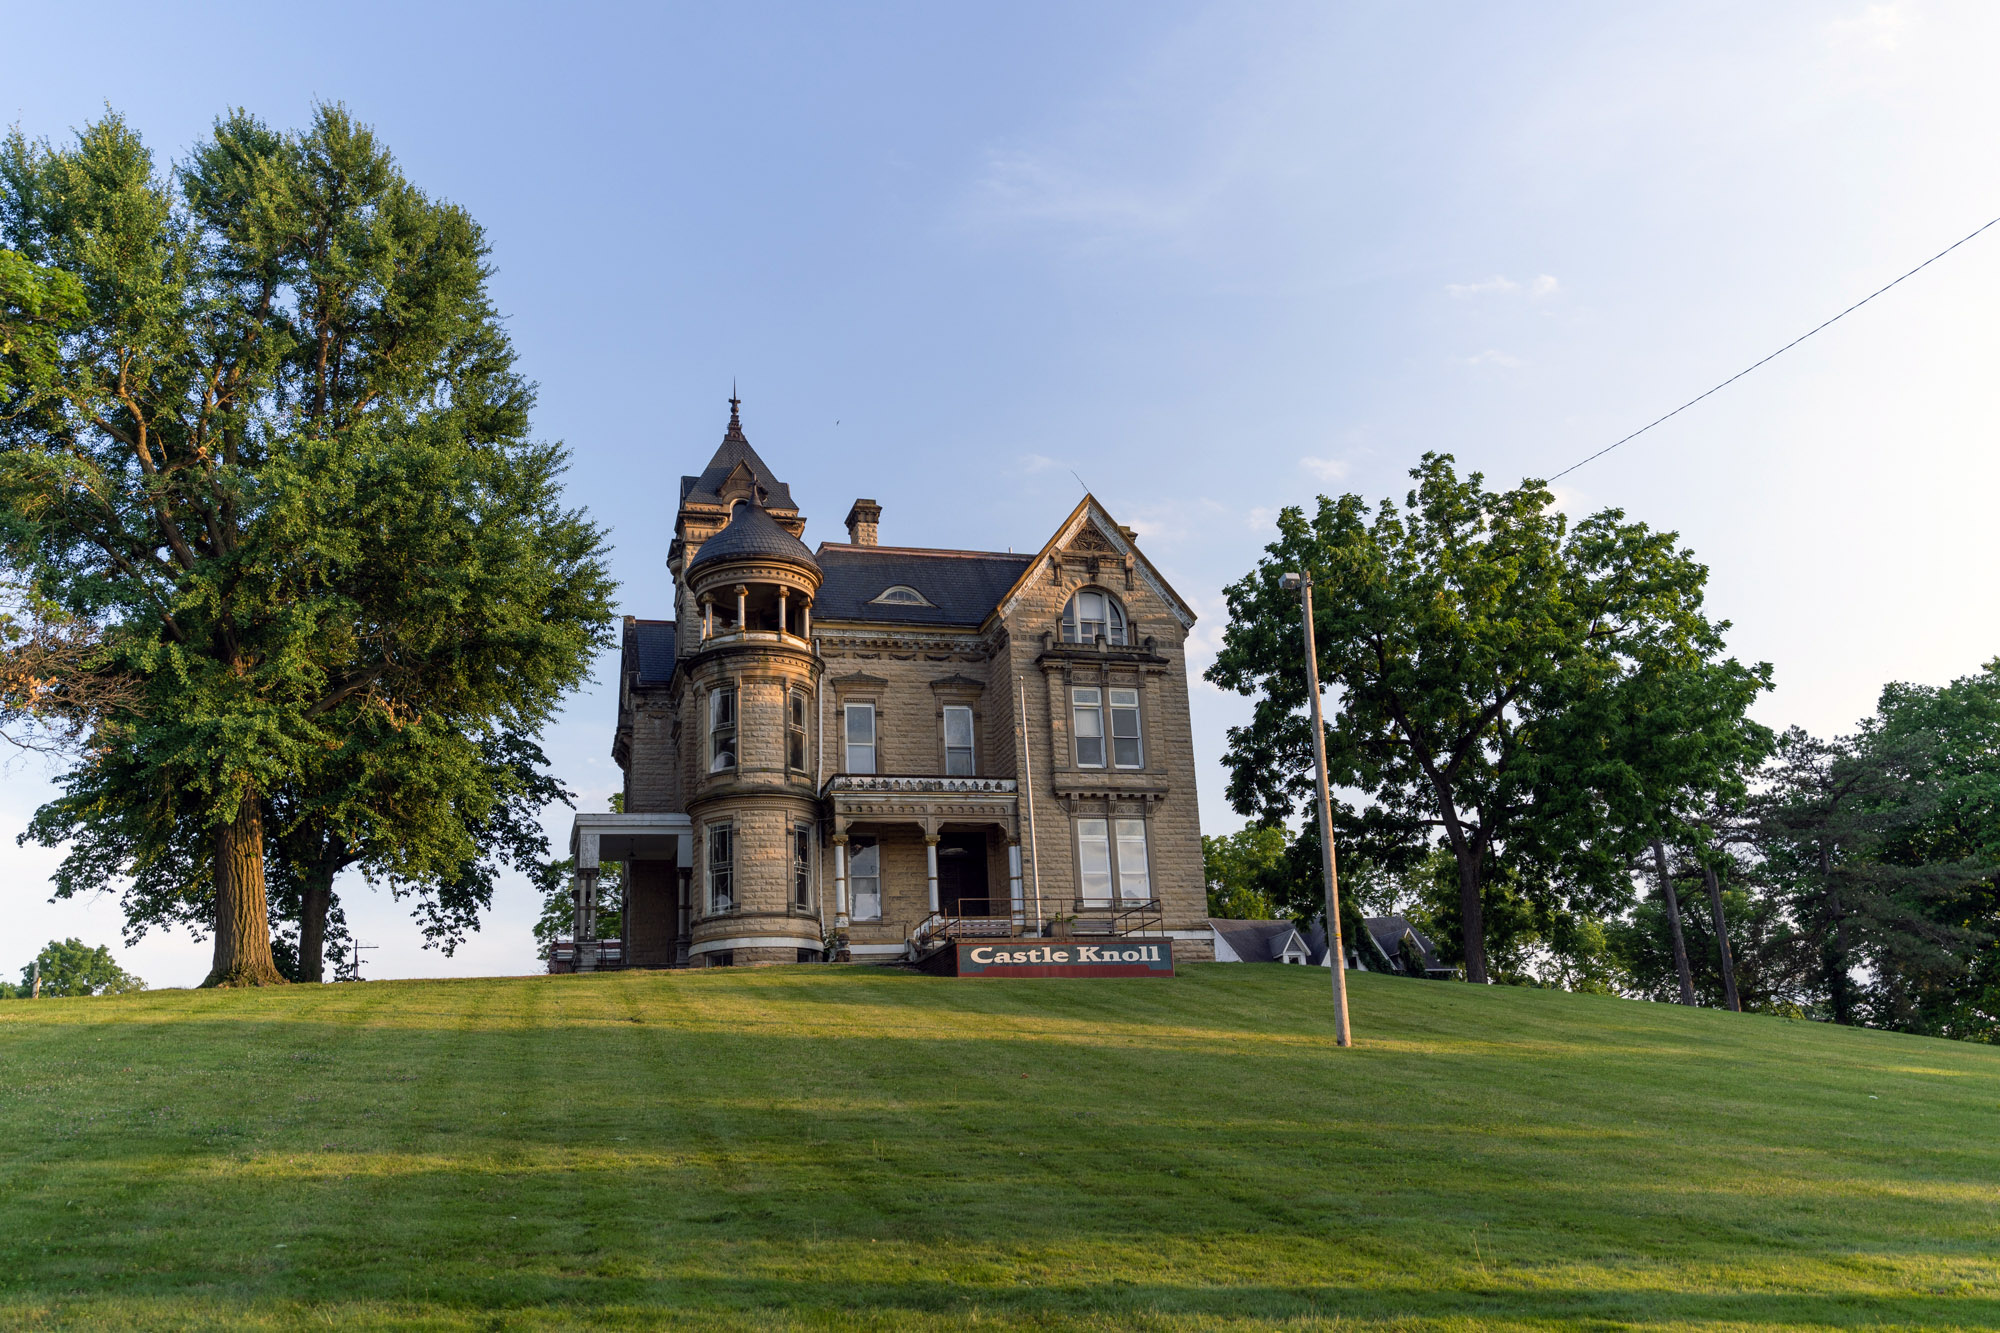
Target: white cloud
[
  {"x": 1325, "y": 469},
  {"x": 1545, "y": 285},
  {"x": 1493, "y": 356},
  {"x": 1263, "y": 518},
  {"x": 1495, "y": 285},
  {"x": 1878, "y": 26},
  {"x": 1032, "y": 463}
]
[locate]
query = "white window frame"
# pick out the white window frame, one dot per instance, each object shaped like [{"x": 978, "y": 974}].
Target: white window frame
[
  {"x": 798, "y": 746},
  {"x": 873, "y": 745},
  {"x": 1113, "y": 860},
  {"x": 722, "y": 729},
  {"x": 1086, "y": 716},
  {"x": 864, "y": 890},
  {"x": 1112, "y": 625},
  {"x": 802, "y": 867},
  {"x": 966, "y": 754},
  {"x": 721, "y": 862},
  {"x": 1093, "y": 860},
  {"x": 1122, "y": 707}
]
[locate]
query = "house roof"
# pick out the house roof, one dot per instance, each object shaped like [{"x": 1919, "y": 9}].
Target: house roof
[
  {"x": 962, "y": 587},
  {"x": 1088, "y": 510},
  {"x": 654, "y": 640},
  {"x": 752, "y": 534},
  {"x": 734, "y": 450},
  {"x": 1255, "y": 941},
  {"x": 1389, "y": 932}
]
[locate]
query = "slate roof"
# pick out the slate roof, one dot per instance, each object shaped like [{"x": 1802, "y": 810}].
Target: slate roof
[
  {"x": 735, "y": 448},
  {"x": 1388, "y": 933},
  {"x": 655, "y": 642},
  {"x": 1254, "y": 941},
  {"x": 963, "y": 587},
  {"x": 752, "y": 534}
]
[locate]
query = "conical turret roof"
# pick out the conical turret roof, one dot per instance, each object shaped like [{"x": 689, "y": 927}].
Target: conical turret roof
[{"x": 752, "y": 534}]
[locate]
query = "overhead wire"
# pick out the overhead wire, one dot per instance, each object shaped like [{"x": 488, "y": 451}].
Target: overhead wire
[{"x": 1773, "y": 356}]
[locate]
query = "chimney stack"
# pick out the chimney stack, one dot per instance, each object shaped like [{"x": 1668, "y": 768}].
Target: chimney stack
[{"x": 863, "y": 521}]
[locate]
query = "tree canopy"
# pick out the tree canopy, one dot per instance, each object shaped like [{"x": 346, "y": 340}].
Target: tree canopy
[
  {"x": 1480, "y": 649},
  {"x": 262, "y": 440},
  {"x": 71, "y": 967}
]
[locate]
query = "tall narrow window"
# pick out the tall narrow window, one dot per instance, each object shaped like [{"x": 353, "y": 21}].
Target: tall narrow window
[
  {"x": 1125, "y": 751},
  {"x": 721, "y": 868},
  {"x": 795, "y": 739},
  {"x": 721, "y": 730},
  {"x": 1135, "y": 877},
  {"x": 860, "y": 739},
  {"x": 957, "y": 741},
  {"x": 1093, "y": 860},
  {"x": 802, "y": 866},
  {"x": 864, "y": 878},
  {"x": 1091, "y": 613},
  {"x": 1087, "y": 711}
]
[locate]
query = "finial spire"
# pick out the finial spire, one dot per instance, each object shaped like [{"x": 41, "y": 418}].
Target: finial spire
[{"x": 735, "y": 421}]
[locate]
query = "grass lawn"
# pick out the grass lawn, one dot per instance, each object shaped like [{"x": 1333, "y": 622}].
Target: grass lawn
[{"x": 820, "y": 1147}]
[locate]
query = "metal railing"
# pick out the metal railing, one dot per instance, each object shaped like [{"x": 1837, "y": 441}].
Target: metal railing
[
  {"x": 998, "y": 918},
  {"x": 886, "y": 782}
]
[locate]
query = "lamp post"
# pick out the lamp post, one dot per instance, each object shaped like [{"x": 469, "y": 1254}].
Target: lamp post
[{"x": 1336, "y": 947}]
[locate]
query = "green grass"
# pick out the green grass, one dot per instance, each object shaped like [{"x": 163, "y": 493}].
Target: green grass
[{"x": 847, "y": 1148}]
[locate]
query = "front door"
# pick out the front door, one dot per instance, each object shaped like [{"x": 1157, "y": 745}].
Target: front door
[{"x": 962, "y": 872}]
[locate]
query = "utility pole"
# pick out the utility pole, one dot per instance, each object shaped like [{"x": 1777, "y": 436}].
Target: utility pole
[
  {"x": 1336, "y": 947},
  {"x": 358, "y": 947}
]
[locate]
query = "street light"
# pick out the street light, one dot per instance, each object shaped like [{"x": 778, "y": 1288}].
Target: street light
[{"x": 1294, "y": 581}]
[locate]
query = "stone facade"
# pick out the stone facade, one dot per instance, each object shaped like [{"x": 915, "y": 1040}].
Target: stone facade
[{"x": 865, "y": 740}]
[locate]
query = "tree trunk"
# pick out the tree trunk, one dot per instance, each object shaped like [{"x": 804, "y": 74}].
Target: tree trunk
[
  {"x": 1839, "y": 977},
  {"x": 1472, "y": 918},
  {"x": 1674, "y": 923},
  {"x": 1729, "y": 996},
  {"x": 314, "y": 904},
  {"x": 242, "y": 924}
]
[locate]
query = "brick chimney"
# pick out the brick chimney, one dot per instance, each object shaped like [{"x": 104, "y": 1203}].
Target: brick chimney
[{"x": 863, "y": 521}]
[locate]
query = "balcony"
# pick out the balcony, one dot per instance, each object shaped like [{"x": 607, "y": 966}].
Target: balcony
[{"x": 917, "y": 785}]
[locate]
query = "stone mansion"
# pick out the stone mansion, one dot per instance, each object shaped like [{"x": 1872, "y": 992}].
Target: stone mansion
[{"x": 850, "y": 751}]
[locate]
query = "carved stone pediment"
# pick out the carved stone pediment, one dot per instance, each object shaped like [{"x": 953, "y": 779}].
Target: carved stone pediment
[
  {"x": 859, "y": 678},
  {"x": 957, "y": 684}
]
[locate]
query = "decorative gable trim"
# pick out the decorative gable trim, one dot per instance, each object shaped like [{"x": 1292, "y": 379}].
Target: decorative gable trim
[
  {"x": 957, "y": 684},
  {"x": 1058, "y": 553},
  {"x": 859, "y": 678}
]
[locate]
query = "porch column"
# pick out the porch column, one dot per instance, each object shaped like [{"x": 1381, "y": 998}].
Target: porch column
[
  {"x": 1014, "y": 878},
  {"x": 784, "y": 609},
  {"x": 707, "y": 617},
  {"x": 805, "y": 620},
  {"x": 742, "y": 607},
  {"x": 840, "y": 881},
  {"x": 685, "y": 877},
  {"x": 930, "y": 865}
]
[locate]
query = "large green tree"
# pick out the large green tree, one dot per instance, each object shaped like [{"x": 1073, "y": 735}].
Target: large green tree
[
  {"x": 275, "y": 460},
  {"x": 1454, "y": 628},
  {"x": 71, "y": 967},
  {"x": 1955, "y": 729}
]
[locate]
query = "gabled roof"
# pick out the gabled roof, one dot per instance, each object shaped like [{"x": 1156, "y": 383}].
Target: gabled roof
[
  {"x": 1257, "y": 941},
  {"x": 654, "y": 640},
  {"x": 734, "y": 452},
  {"x": 752, "y": 534},
  {"x": 962, "y": 587},
  {"x": 1088, "y": 510},
  {"x": 1389, "y": 933}
]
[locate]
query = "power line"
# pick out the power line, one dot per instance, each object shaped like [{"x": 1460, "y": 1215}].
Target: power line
[{"x": 1780, "y": 352}]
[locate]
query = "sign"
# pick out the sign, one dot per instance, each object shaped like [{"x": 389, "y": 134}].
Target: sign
[{"x": 1045, "y": 958}]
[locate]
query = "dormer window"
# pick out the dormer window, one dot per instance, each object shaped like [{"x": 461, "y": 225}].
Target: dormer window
[
  {"x": 1093, "y": 612},
  {"x": 900, "y": 595}
]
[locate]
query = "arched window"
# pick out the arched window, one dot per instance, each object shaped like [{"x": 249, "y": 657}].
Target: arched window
[
  {"x": 1093, "y": 612},
  {"x": 901, "y": 595}
]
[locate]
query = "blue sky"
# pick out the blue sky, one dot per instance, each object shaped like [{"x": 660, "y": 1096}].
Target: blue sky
[{"x": 1215, "y": 259}]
